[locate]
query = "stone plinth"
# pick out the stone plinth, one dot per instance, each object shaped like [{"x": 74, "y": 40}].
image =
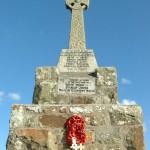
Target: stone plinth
[
  {"x": 54, "y": 87},
  {"x": 108, "y": 127}
]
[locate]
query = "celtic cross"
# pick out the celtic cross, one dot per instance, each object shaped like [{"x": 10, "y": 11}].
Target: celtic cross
[{"x": 77, "y": 33}]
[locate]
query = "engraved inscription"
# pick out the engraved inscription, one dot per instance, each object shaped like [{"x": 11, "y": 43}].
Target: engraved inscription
[
  {"x": 72, "y": 60},
  {"x": 77, "y": 60},
  {"x": 76, "y": 85}
]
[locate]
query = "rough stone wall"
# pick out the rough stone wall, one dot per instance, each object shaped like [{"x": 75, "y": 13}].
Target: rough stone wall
[
  {"x": 51, "y": 86},
  {"x": 108, "y": 127}
]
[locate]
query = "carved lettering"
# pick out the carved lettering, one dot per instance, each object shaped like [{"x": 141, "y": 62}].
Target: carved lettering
[
  {"x": 76, "y": 85},
  {"x": 76, "y": 60}
]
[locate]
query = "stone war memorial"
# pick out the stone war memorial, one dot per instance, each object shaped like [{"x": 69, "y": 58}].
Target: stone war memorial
[{"x": 75, "y": 104}]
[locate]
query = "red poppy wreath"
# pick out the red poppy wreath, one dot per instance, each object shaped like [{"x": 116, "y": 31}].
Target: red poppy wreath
[{"x": 75, "y": 127}]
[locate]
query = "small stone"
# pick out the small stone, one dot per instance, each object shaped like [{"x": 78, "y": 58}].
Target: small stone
[{"x": 53, "y": 121}]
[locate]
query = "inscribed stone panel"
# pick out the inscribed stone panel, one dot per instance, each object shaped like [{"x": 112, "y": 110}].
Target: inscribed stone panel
[
  {"x": 76, "y": 85},
  {"x": 74, "y": 61}
]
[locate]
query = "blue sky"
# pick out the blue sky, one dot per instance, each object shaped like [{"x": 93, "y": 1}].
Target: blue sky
[{"x": 33, "y": 32}]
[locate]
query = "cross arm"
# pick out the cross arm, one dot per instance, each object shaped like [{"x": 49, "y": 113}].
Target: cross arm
[{"x": 77, "y": 4}]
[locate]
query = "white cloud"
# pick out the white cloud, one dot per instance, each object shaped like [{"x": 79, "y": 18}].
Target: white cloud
[
  {"x": 14, "y": 96},
  {"x": 128, "y": 102},
  {"x": 1, "y": 95},
  {"x": 125, "y": 81}
]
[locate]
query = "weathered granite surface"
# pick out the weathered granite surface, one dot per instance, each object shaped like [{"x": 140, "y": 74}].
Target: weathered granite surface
[
  {"x": 42, "y": 127},
  {"x": 77, "y": 32},
  {"x": 54, "y": 87}
]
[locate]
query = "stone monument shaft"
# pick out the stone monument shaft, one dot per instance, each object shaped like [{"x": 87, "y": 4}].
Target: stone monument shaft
[{"x": 77, "y": 32}]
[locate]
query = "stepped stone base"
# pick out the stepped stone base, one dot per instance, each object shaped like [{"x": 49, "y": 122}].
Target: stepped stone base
[
  {"x": 108, "y": 127},
  {"x": 54, "y": 87}
]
